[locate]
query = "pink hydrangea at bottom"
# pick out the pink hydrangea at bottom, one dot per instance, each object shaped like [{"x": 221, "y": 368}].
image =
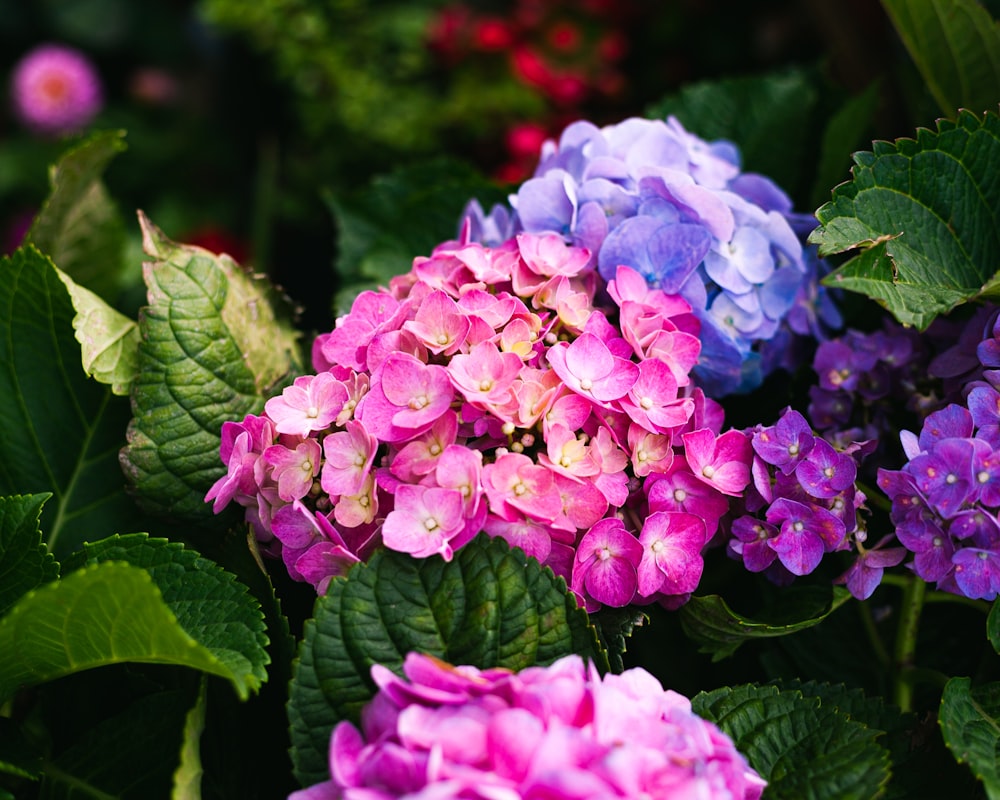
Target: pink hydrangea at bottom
[{"x": 546, "y": 733}]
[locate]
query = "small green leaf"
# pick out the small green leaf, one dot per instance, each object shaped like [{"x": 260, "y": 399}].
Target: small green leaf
[
  {"x": 213, "y": 347},
  {"x": 926, "y": 214},
  {"x": 488, "y": 607},
  {"x": 62, "y": 431},
  {"x": 767, "y": 116},
  {"x": 108, "y": 339},
  {"x": 25, "y": 562},
  {"x": 102, "y": 614},
  {"x": 800, "y": 745},
  {"x": 213, "y": 607},
  {"x": 719, "y": 630},
  {"x": 956, "y": 46},
  {"x": 79, "y": 227},
  {"x": 970, "y": 723}
]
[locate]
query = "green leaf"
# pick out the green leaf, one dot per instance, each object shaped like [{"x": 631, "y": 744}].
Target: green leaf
[
  {"x": 25, "y": 562},
  {"x": 62, "y": 431},
  {"x": 800, "y": 745},
  {"x": 79, "y": 227},
  {"x": 767, "y": 116},
  {"x": 108, "y": 339},
  {"x": 213, "y": 607},
  {"x": 488, "y": 607},
  {"x": 130, "y": 756},
  {"x": 614, "y": 627},
  {"x": 956, "y": 46},
  {"x": 102, "y": 614},
  {"x": 719, "y": 630},
  {"x": 213, "y": 347},
  {"x": 844, "y": 133},
  {"x": 926, "y": 213},
  {"x": 970, "y": 723},
  {"x": 383, "y": 226}
]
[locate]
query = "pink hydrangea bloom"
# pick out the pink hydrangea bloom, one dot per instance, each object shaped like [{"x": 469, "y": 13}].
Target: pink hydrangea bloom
[
  {"x": 56, "y": 90},
  {"x": 561, "y": 732},
  {"x": 508, "y": 390}
]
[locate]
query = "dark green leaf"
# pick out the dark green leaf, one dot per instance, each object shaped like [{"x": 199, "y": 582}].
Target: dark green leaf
[
  {"x": 802, "y": 747},
  {"x": 79, "y": 227},
  {"x": 844, "y": 133},
  {"x": 489, "y": 607},
  {"x": 131, "y": 756},
  {"x": 993, "y": 625},
  {"x": 17, "y": 756},
  {"x": 62, "y": 431},
  {"x": 25, "y": 562},
  {"x": 956, "y": 47},
  {"x": 213, "y": 347},
  {"x": 766, "y": 116},
  {"x": 384, "y": 226},
  {"x": 970, "y": 722},
  {"x": 614, "y": 627},
  {"x": 719, "y": 630},
  {"x": 926, "y": 214}
]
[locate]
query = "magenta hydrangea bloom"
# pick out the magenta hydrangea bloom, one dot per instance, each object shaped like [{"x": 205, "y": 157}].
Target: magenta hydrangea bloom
[
  {"x": 547, "y": 733},
  {"x": 56, "y": 90}
]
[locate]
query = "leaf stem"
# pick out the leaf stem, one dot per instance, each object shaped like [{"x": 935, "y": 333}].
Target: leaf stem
[{"x": 914, "y": 595}]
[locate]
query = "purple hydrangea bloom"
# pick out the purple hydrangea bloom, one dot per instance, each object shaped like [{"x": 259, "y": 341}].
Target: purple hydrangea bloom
[{"x": 55, "y": 90}]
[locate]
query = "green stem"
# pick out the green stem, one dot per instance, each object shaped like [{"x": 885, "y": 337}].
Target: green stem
[
  {"x": 906, "y": 643},
  {"x": 935, "y": 596},
  {"x": 864, "y": 610}
]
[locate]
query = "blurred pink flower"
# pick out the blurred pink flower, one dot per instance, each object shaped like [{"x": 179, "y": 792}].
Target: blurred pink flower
[{"x": 56, "y": 90}]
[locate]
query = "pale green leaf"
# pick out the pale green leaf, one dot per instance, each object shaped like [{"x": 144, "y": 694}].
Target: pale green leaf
[
  {"x": 187, "y": 776},
  {"x": 108, "y": 339}
]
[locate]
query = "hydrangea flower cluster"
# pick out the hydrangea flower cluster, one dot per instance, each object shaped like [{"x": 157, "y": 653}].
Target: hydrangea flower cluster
[
  {"x": 545, "y": 733},
  {"x": 864, "y": 379},
  {"x": 650, "y": 195},
  {"x": 486, "y": 389},
  {"x": 56, "y": 90},
  {"x": 803, "y": 504},
  {"x": 946, "y": 497}
]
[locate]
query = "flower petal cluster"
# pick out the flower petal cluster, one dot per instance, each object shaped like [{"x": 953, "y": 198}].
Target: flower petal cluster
[
  {"x": 55, "y": 90},
  {"x": 551, "y": 733},
  {"x": 508, "y": 389},
  {"x": 678, "y": 210},
  {"x": 803, "y": 504}
]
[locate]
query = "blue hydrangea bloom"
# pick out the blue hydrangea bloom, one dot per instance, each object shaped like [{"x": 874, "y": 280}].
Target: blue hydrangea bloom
[{"x": 650, "y": 195}]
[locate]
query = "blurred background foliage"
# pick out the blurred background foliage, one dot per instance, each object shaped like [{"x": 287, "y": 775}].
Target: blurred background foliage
[{"x": 264, "y": 127}]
